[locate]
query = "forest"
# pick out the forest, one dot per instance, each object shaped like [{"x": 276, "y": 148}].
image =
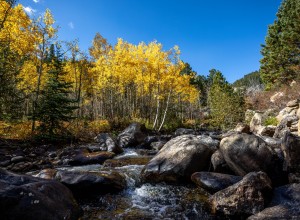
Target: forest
[
  {"x": 132, "y": 131},
  {"x": 51, "y": 87}
]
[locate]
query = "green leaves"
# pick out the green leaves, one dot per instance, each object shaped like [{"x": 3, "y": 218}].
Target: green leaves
[
  {"x": 281, "y": 52},
  {"x": 226, "y": 106},
  {"x": 55, "y": 105}
]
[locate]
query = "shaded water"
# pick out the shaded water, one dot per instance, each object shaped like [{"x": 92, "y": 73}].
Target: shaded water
[{"x": 145, "y": 201}]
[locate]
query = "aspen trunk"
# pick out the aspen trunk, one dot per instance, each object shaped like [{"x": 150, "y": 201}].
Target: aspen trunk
[{"x": 165, "y": 112}]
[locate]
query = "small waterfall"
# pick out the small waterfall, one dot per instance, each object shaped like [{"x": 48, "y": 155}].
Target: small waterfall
[
  {"x": 162, "y": 201},
  {"x": 85, "y": 168},
  {"x": 143, "y": 200},
  {"x": 128, "y": 152},
  {"x": 132, "y": 174}
]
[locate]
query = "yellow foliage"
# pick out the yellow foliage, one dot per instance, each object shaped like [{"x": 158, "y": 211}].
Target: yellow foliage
[
  {"x": 99, "y": 126},
  {"x": 19, "y": 131},
  {"x": 17, "y": 30},
  {"x": 28, "y": 77},
  {"x": 87, "y": 130},
  {"x": 146, "y": 68},
  {"x": 190, "y": 123}
]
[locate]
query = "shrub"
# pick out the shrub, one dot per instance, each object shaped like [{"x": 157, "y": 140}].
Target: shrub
[
  {"x": 86, "y": 130},
  {"x": 271, "y": 120},
  {"x": 17, "y": 130}
]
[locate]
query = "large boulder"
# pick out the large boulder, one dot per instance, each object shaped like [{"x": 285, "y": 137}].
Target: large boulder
[
  {"x": 219, "y": 163},
  {"x": 155, "y": 142},
  {"x": 243, "y": 128},
  {"x": 148, "y": 141},
  {"x": 157, "y": 145},
  {"x": 85, "y": 158},
  {"x": 267, "y": 131},
  {"x": 285, "y": 204},
  {"x": 275, "y": 144},
  {"x": 289, "y": 123},
  {"x": 182, "y": 131},
  {"x": 246, "y": 153},
  {"x": 244, "y": 198},
  {"x": 180, "y": 158},
  {"x": 214, "y": 182},
  {"x": 291, "y": 109},
  {"x": 291, "y": 149},
  {"x": 132, "y": 136},
  {"x": 256, "y": 123},
  {"x": 30, "y": 198},
  {"x": 293, "y": 103},
  {"x": 107, "y": 143},
  {"x": 92, "y": 184}
]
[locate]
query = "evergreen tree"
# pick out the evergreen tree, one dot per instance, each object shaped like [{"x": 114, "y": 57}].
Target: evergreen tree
[
  {"x": 251, "y": 79},
  {"x": 201, "y": 82},
  {"x": 281, "y": 52},
  {"x": 55, "y": 105},
  {"x": 187, "y": 70},
  {"x": 226, "y": 106}
]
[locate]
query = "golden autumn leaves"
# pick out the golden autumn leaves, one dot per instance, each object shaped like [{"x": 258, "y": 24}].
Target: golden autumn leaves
[
  {"x": 124, "y": 80},
  {"x": 147, "y": 68}
]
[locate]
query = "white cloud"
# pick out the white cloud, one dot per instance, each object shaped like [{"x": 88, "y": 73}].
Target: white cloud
[
  {"x": 71, "y": 25},
  {"x": 36, "y": 1},
  {"x": 29, "y": 10}
]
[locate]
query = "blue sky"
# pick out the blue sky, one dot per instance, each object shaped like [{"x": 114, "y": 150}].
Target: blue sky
[{"x": 221, "y": 34}]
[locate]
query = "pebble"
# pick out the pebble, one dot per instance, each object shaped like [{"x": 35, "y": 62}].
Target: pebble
[{"x": 17, "y": 159}]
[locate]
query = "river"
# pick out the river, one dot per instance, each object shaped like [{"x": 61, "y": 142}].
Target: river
[{"x": 144, "y": 200}]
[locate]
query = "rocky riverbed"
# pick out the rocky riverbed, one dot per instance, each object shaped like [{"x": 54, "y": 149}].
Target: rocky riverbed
[{"x": 186, "y": 175}]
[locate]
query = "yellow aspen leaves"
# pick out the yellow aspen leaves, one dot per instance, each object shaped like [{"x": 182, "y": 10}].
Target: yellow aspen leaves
[
  {"x": 146, "y": 68},
  {"x": 124, "y": 80},
  {"x": 17, "y": 29}
]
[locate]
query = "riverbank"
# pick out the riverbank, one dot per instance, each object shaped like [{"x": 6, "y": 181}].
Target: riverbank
[{"x": 137, "y": 175}]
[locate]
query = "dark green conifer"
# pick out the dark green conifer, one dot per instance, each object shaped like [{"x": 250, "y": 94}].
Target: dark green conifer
[
  {"x": 226, "y": 106},
  {"x": 55, "y": 105},
  {"x": 281, "y": 52}
]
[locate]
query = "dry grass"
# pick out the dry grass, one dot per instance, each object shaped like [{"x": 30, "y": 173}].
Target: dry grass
[
  {"x": 16, "y": 131},
  {"x": 261, "y": 101},
  {"x": 87, "y": 130},
  {"x": 80, "y": 129}
]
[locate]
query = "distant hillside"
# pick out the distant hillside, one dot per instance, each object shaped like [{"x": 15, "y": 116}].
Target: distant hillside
[{"x": 249, "y": 80}]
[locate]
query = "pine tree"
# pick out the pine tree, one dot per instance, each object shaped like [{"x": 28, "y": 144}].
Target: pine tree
[
  {"x": 226, "y": 106},
  {"x": 281, "y": 52},
  {"x": 55, "y": 106}
]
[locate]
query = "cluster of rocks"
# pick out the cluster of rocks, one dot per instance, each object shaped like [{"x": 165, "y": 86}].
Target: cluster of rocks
[
  {"x": 26, "y": 197},
  {"x": 247, "y": 175},
  {"x": 287, "y": 118},
  {"x": 52, "y": 192},
  {"x": 22, "y": 159}
]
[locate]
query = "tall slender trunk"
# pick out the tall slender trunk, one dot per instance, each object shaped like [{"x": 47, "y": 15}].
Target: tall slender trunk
[
  {"x": 158, "y": 103},
  {"x": 111, "y": 104},
  {"x": 157, "y": 113},
  {"x": 40, "y": 71},
  {"x": 165, "y": 112},
  {"x": 79, "y": 92}
]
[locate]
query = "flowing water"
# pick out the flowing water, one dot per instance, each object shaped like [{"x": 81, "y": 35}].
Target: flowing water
[{"x": 145, "y": 201}]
